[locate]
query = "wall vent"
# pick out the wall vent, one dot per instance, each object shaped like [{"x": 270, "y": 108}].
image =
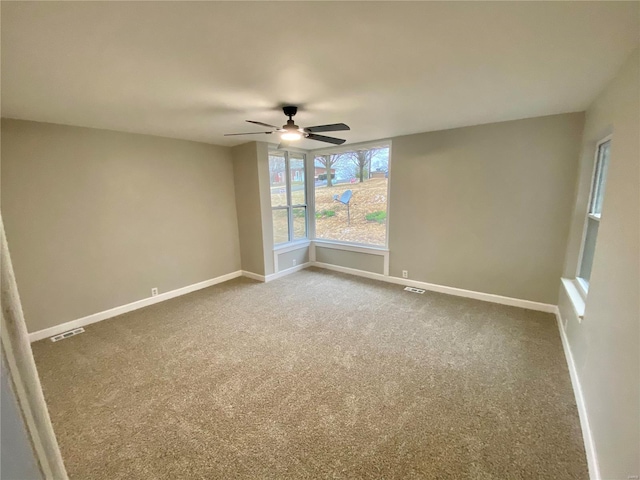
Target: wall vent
[
  {"x": 68, "y": 334},
  {"x": 414, "y": 290}
]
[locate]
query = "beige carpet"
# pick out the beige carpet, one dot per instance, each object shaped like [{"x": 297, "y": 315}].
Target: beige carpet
[{"x": 315, "y": 375}]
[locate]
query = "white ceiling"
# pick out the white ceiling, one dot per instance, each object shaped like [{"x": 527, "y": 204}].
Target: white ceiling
[{"x": 198, "y": 70}]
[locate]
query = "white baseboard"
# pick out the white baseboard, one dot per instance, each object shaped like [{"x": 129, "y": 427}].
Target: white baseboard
[
  {"x": 459, "y": 292},
  {"x": 253, "y": 276},
  {"x": 288, "y": 271},
  {"x": 275, "y": 276},
  {"x": 589, "y": 446},
  {"x": 96, "y": 317},
  {"x": 114, "y": 312}
]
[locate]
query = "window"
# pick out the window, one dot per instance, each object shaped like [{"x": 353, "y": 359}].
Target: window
[
  {"x": 351, "y": 195},
  {"x": 288, "y": 196},
  {"x": 594, "y": 213}
]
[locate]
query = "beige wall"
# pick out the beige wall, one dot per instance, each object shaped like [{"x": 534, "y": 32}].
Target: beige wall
[
  {"x": 245, "y": 173},
  {"x": 485, "y": 208},
  {"x": 262, "y": 149},
  {"x": 285, "y": 260},
  {"x": 605, "y": 344},
  {"x": 253, "y": 200},
  {"x": 96, "y": 218}
]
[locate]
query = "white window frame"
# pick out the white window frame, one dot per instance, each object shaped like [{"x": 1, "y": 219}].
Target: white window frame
[
  {"x": 594, "y": 187},
  {"x": 289, "y": 207},
  {"x": 311, "y": 219}
]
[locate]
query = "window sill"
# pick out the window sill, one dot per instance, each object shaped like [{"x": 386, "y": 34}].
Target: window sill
[
  {"x": 285, "y": 247},
  {"x": 576, "y": 299},
  {"x": 354, "y": 247}
]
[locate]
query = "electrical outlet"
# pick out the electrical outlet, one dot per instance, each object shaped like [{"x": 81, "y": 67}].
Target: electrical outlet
[
  {"x": 294, "y": 262},
  {"x": 154, "y": 292},
  {"x": 405, "y": 273}
]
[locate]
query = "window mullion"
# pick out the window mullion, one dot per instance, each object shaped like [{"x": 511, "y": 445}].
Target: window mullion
[
  {"x": 310, "y": 193},
  {"x": 287, "y": 167}
]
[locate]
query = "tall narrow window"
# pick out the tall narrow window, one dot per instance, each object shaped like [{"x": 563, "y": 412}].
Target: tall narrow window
[
  {"x": 594, "y": 213},
  {"x": 298, "y": 196},
  {"x": 351, "y": 198},
  {"x": 288, "y": 196}
]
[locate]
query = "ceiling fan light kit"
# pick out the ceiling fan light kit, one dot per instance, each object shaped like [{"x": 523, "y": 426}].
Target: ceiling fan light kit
[
  {"x": 292, "y": 132},
  {"x": 289, "y": 136}
]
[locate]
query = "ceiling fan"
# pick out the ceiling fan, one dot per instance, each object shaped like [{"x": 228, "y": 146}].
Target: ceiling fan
[{"x": 291, "y": 131}]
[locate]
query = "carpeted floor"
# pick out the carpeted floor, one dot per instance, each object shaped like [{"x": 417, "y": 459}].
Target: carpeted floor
[{"x": 315, "y": 375}]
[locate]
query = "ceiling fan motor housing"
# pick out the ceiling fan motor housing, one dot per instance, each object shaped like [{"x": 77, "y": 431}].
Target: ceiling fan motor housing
[
  {"x": 290, "y": 111},
  {"x": 290, "y": 126}
]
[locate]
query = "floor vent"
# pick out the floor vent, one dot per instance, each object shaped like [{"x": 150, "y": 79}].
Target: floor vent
[
  {"x": 68, "y": 334},
  {"x": 414, "y": 290}
]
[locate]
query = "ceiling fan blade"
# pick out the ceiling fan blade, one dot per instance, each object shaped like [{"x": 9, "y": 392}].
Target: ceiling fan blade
[
  {"x": 264, "y": 124},
  {"x": 322, "y": 138},
  {"x": 248, "y": 133},
  {"x": 334, "y": 127}
]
